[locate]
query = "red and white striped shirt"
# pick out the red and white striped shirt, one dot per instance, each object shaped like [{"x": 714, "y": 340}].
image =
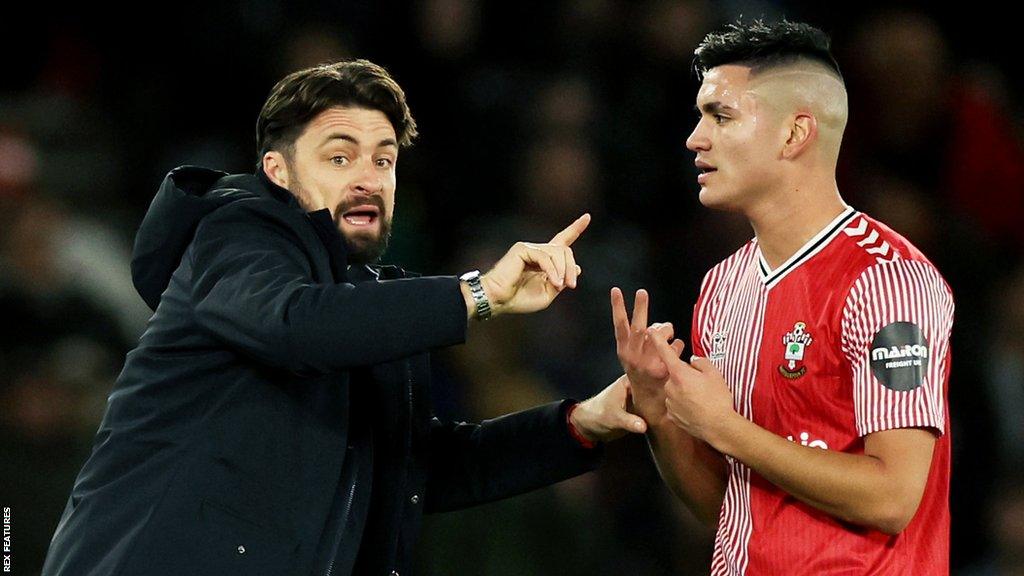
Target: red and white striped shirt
[{"x": 850, "y": 336}]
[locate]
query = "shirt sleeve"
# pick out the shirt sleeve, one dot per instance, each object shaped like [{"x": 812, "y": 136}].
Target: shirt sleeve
[{"x": 896, "y": 324}]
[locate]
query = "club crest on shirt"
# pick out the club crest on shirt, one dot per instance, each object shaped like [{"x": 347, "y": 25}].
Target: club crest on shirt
[
  {"x": 717, "y": 346},
  {"x": 795, "y": 342}
]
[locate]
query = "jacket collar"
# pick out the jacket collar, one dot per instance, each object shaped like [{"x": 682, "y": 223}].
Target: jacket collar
[
  {"x": 276, "y": 191},
  {"x": 331, "y": 237}
]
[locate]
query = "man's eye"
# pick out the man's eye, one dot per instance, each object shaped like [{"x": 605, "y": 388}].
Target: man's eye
[
  {"x": 719, "y": 118},
  {"x": 339, "y": 160},
  {"x": 384, "y": 162}
]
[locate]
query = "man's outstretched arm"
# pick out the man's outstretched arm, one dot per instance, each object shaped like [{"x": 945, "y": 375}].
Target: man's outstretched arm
[
  {"x": 472, "y": 464},
  {"x": 252, "y": 288}
]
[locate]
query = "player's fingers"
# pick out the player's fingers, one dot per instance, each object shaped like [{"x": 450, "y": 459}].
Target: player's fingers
[
  {"x": 571, "y": 232},
  {"x": 619, "y": 318},
  {"x": 702, "y": 364},
  {"x": 678, "y": 346},
  {"x": 666, "y": 353},
  {"x": 640, "y": 310},
  {"x": 663, "y": 331},
  {"x": 677, "y": 369}
]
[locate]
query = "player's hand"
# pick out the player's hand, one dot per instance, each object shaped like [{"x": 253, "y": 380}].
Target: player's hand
[
  {"x": 634, "y": 345},
  {"x": 529, "y": 276},
  {"x": 697, "y": 398},
  {"x": 604, "y": 417}
]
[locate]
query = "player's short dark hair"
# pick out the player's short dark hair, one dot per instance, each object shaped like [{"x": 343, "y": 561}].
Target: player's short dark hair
[
  {"x": 761, "y": 46},
  {"x": 301, "y": 95}
]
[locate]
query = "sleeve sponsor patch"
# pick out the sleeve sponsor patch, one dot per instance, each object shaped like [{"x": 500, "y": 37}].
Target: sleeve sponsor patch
[{"x": 899, "y": 356}]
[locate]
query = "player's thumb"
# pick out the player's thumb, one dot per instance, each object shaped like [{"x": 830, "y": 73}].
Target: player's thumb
[{"x": 701, "y": 364}]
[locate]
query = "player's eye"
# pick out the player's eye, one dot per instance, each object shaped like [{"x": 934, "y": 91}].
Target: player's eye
[
  {"x": 384, "y": 162},
  {"x": 720, "y": 118},
  {"x": 339, "y": 160}
]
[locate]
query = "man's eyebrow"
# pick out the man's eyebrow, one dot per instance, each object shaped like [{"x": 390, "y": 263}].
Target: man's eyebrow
[
  {"x": 352, "y": 139},
  {"x": 713, "y": 108}
]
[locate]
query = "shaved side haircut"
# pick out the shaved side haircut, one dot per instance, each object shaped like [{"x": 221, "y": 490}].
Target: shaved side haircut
[{"x": 762, "y": 46}]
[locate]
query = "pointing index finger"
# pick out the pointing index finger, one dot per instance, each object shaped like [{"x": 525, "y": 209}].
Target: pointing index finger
[
  {"x": 678, "y": 369},
  {"x": 572, "y": 231}
]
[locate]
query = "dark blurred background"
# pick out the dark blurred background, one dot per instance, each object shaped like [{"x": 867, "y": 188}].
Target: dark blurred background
[{"x": 530, "y": 113}]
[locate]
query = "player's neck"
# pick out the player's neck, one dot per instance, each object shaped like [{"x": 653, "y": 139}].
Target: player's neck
[{"x": 784, "y": 222}]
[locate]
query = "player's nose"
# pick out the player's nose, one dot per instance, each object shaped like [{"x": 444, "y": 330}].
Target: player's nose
[{"x": 698, "y": 141}]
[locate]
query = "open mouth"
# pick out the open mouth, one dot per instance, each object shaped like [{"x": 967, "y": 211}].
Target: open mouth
[
  {"x": 704, "y": 167},
  {"x": 704, "y": 170},
  {"x": 361, "y": 216},
  {"x": 702, "y": 176}
]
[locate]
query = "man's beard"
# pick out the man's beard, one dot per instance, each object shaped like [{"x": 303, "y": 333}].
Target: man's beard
[
  {"x": 360, "y": 247},
  {"x": 365, "y": 247}
]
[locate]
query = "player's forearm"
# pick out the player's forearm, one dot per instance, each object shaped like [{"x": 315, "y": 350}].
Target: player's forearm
[
  {"x": 856, "y": 488},
  {"x": 692, "y": 470}
]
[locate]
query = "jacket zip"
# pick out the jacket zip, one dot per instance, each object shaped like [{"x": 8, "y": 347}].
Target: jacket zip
[
  {"x": 408, "y": 452},
  {"x": 344, "y": 516}
]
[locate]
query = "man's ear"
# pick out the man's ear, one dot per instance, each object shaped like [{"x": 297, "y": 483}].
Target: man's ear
[
  {"x": 803, "y": 130},
  {"x": 276, "y": 168}
]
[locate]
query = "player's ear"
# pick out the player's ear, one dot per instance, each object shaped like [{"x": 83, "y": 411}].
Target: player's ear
[
  {"x": 803, "y": 129},
  {"x": 276, "y": 168}
]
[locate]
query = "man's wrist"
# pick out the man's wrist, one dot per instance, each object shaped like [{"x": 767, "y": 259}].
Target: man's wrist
[
  {"x": 478, "y": 303},
  {"x": 575, "y": 431},
  {"x": 468, "y": 297}
]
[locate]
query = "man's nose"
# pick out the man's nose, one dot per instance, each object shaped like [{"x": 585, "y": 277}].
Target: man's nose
[
  {"x": 368, "y": 180},
  {"x": 697, "y": 141}
]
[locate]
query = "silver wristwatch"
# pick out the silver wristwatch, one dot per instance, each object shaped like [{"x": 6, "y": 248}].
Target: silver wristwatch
[{"x": 476, "y": 290}]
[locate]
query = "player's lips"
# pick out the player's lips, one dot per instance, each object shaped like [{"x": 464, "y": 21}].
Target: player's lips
[
  {"x": 360, "y": 216},
  {"x": 705, "y": 170}
]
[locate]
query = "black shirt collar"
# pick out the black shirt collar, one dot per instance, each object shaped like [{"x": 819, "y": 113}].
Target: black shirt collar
[
  {"x": 328, "y": 233},
  {"x": 276, "y": 191}
]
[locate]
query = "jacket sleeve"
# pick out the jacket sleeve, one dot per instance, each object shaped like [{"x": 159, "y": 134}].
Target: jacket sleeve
[
  {"x": 252, "y": 288},
  {"x": 473, "y": 464}
]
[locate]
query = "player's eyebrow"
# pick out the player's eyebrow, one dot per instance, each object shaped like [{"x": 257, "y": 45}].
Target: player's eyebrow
[
  {"x": 352, "y": 139},
  {"x": 713, "y": 108}
]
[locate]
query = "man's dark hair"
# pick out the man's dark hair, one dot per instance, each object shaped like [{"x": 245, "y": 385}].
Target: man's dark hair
[
  {"x": 301, "y": 95},
  {"x": 761, "y": 46}
]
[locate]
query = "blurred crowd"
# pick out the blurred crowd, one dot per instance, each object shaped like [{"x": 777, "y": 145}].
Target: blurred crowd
[{"x": 530, "y": 113}]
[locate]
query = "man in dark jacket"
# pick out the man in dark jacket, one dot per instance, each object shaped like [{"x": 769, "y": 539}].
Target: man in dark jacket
[{"x": 276, "y": 417}]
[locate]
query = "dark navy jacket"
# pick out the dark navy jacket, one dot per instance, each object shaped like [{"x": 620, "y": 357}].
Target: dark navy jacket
[{"x": 275, "y": 418}]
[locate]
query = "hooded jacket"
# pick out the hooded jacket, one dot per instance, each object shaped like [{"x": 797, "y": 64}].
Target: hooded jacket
[{"x": 275, "y": 417}]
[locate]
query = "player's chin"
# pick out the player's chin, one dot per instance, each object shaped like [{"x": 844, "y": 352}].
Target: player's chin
[
  {"x": 712, "y": 198},
  {"x": 718, "y": 197}
]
